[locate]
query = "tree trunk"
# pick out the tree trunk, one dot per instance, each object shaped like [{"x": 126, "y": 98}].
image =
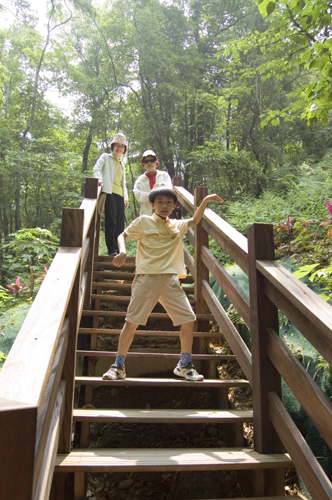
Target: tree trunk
[
  {"x": 86, "y": 152},
  {"x": 17, "y": 203}
]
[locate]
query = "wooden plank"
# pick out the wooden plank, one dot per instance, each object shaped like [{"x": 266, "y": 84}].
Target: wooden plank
[
  {"x": 127, "y": 287},
  {"x": 91, "y": 238},
  {"x": 108, "y": 258},
  {"x": 83, "y": 293},
  {"x": 160, "y": 355},
  {"x": 163, "y": 416},
  {"x": 315, "y": 403},
  {"x": 231, "y": 240},
  {"x": 236, "y": 249},
  {"x": 129, "y": 276},
  {"x": 24, "y": 375},
  {"x": 118, "y": 299},
  {"x": 234, "y": 339},
  {"x": 228, "y": 285},
  {"x": 43, "y": 486},
  {"x": 91, "y": 188},
  {"x": 264, "y": 314},
  {"x": 176, "y": 459},
  {"x": 307, "y": 465},
  {"x": 109, "y": 266},
  {"x": 17, "y": 448},
  {"x": 122, "y": 314},
  {"x": 189, "y": 261},
  {"x": 114, "y": 275},
  {"x": 69, "y": 368},
  {"x": 269, "y": 498},
  {"x": 85, "y": 252},
  {"x": 148, "y": 333},
  {"x": 168, "y": 382},
  {"x": 71, "y": 227},
  {"x": 89, "y": 207},
  {"x": 201, "y": 272},
  {"x": 46, "y": 410},
  {"x": 190, "y": 235},
  {"x": 308, "y": 312},
  {"x": 185, "y": 198}
]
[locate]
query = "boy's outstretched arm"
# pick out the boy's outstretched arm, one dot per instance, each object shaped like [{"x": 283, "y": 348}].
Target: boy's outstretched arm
[
  {"x": 122, "y": 255},
  {"x": 200, "y": 210}
]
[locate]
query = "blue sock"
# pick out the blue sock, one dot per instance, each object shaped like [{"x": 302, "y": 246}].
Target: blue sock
[
  {"x": 185, "y": 358},
  {"x": 120, "y": 360}
]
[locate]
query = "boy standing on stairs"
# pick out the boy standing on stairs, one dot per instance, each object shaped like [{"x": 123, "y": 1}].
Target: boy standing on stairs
[{"x": 159, "y": 265}]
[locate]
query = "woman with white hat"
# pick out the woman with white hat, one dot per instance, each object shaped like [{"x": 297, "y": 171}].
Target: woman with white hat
[
  {"x": 111, "y": 172},
  {"x": 151, "y": 178}
]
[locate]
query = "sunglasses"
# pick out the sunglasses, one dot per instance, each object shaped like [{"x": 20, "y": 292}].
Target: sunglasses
[{"x": 149, "y": 161}]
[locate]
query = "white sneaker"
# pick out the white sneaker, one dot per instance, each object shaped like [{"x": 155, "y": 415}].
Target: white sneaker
[
  {"x": 115, "y": 372},
  {"x": 188, "y": 372}
]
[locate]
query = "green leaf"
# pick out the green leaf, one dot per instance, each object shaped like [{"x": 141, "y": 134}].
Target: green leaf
[
  {"x": 309, "y": 19},
  {"x": 270, "y": 7}
]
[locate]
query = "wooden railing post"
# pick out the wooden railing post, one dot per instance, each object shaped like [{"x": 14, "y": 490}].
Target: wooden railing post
[
  {"x": 263, "y": 315},
  {"x": 17, "y": 449},
  {"x": 72, "y": 237},
  {"x": 201, "y": 273}
]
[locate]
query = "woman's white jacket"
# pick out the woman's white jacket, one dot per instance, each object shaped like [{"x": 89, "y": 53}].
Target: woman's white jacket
[
  {"x": 142, "y": 190},
  {"x": 104, "y": 171}
]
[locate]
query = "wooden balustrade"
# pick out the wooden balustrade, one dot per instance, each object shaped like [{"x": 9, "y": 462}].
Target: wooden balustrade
[
  {"x": 271, "y": 287},
  {"x": 37, "y": 380}
]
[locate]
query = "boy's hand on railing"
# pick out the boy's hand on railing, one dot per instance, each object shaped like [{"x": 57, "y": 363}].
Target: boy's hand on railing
[
  {"x": 119, "y": 259},
  {"x": 213, "y": 197}
]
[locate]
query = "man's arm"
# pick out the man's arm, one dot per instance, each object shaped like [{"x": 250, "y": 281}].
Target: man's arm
[
  {"x": 200, "y": 210},
  {"x": 122, "y": 255}
]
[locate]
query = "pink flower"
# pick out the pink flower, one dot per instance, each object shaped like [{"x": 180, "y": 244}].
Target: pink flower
[{"x": 329, "y": 206}]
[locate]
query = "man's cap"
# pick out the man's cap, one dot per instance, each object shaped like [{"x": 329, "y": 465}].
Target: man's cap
[
  {"x": 120, "y": 139},
  {"x": 148, "y": 152}
]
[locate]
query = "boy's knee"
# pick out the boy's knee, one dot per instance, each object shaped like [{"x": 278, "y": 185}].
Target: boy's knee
[{"x": 131, "y": 326}]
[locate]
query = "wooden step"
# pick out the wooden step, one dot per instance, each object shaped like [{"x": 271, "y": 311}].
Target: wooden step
[
  {"x": 268, "y": 498},
  {"x": 109, "y": 266},
  {"x": 118, "y": 299},
  {"x": 160, "y": 355},
  {"x": 147, "y": 333},
  {"x": 118, "y": 275},
  {"x": 122, "y": 314},
  {"x": 163, "y": 416},
  {"x": 169, "y": 382},
  {"x": 108, "y": 258},
  {"x": 127, "y": 286},
  {"x": 171, "y": 459}
]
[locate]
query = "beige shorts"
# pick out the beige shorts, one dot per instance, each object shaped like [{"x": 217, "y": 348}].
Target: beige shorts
[{"x": 148, "y": 289}]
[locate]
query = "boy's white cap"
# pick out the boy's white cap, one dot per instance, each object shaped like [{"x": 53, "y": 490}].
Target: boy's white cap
[
  {"x": 148, "y": 152},
  {"x": 120, "y": 139}
]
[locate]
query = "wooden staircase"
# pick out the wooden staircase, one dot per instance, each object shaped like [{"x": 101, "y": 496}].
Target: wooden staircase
[{"x": 266, "y": 475}]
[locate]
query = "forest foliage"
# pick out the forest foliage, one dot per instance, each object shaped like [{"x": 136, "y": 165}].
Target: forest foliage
[{"x": 232, "y": 94}]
